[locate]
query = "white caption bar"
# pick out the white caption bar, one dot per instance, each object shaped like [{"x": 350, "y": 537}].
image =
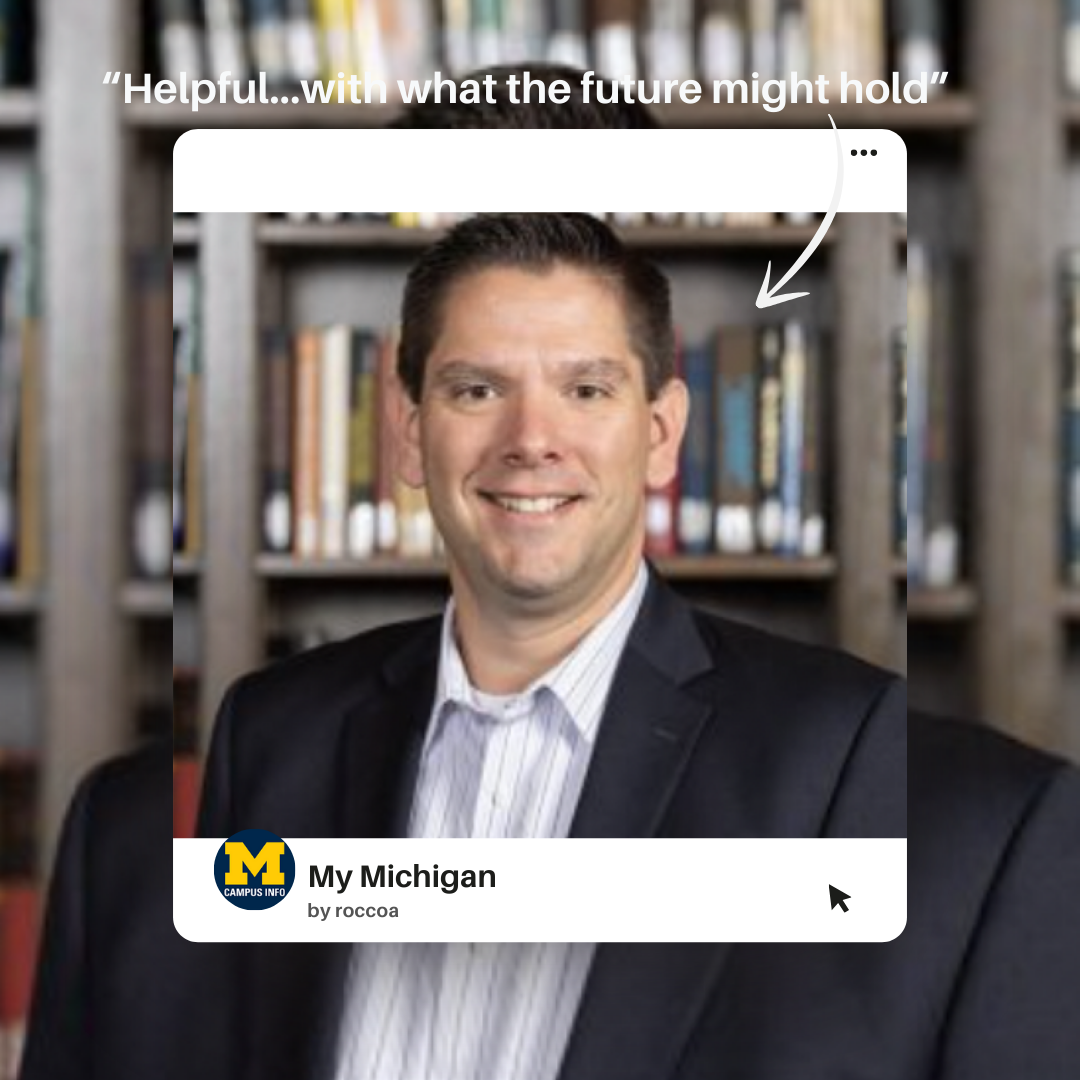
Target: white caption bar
[
  {"x": 559, "y": 890},
  {"x": 381, "y": 171}
]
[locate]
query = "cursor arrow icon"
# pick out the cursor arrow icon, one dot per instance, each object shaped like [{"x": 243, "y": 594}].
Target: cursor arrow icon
[
  {"x": 767, "y": 297},
  {"x": 837, "y": 898}
]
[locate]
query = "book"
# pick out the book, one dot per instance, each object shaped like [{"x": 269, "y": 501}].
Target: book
[
  {"x": 301, "y": 40},
  {"x": 792, "y": 436},
  {"x": 761, "y": 36},
  {"x": 179, "y": 40},
  {"x": 306, "y": 417},
  {"x": 793, "y": 40},
  {"x": 662, "y": 504},
  {"x": 277, "y": 442},
  {"x": 846, "y": 37},
  {"x": 736, "y": 412},
  {"x": 10, "y": 396},
  {"x": 334, "y": 23},
  {"x": 333, "y": 439},
  {"x": 186, "y": 765},
  {"x": 487, "y": 32},
  {"x": 696, "y": 456},
  {"x": 722, "y": 39},
  {"x": 387, "y": 395},
  {"x": 224, "y": 39},
  {"x": 363, "y": 379},
  {"x": 1070, "y": 427},
  {"x": 457, "y": 36},
  {"x": 900, "y": 439},
  {"x": 567, "y": 40},
  {"x": 917, "y": 363},
  {"x": 30, "y": 479},
  {"x": 266, "y": 39},
  {"x": 769, "y": 458},
  {"x": 615, "y": 39},
  {"x": 917, "y": 32},
  {"x": 669, "y": 40},
  {"x": 941, "y": 557},
  {"x": 813, "y": 535},
  {"x": 408, "y": 30},
  {"x": 179, "y": 433},
  {"x": 152, "y": 483},
  {"x": 524, "y": 30},
  {"x": 19, "y": 902},
  {"x": 369, "y": 43}
]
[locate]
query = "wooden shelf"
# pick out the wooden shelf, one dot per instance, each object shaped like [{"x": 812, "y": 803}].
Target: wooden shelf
[
  {"x": 185, "y": 232},
  {"x": 19, "y": 111},
  {"x": 275, "y": 232},
  {"x": 1070, "y": 114},
  {"x": 147, "y": 599},
  {"x": 746, "y": 568},
  {"x": 177, "y": 118},
  {"x": 942, "y": 605},
  {"x": 949, "y": 113},
  {"x": 185, "y": 566},
  {"x": 756, "y": 568},
  {"x": 18, "y": 601},
  {"x": 383, "y": 567}
]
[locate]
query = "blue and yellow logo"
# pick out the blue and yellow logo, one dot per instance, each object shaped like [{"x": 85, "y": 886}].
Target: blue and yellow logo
[{"x": 254, "y": 869}]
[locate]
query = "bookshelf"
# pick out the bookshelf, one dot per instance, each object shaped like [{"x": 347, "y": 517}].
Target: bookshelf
[{"x": 987, "y": 159}]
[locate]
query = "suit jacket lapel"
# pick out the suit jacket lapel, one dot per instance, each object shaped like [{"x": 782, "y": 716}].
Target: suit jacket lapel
[
  {"x": 381, "y": 740},
  {"x": 641, "y": 1002},
  {"x": 650, "y": 723}
]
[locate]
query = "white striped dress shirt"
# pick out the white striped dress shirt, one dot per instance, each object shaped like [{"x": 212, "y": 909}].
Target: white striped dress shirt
[{"x": 491, "y": 766}]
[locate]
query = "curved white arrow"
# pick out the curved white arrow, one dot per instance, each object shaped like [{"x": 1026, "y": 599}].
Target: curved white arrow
[{"x": 766, "y": 296}]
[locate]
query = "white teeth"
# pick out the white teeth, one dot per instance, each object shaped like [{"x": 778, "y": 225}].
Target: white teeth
[{"x": 531, "y": 506}]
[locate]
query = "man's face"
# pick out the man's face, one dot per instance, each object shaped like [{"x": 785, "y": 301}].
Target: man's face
[{"x": 536, "y": 441}]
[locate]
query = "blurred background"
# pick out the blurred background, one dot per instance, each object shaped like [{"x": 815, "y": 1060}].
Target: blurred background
[{"x": 913, "y": 427}]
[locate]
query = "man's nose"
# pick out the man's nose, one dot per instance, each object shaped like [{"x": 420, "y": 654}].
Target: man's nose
[{"x": 532, "y": 433}]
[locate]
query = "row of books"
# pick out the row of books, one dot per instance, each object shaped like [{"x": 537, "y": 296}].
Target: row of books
[
  {"x": 293, "y": 41},
  {"x": 751, "y": 477},
  {"x": 621, "y": 219},
  {"x": 751, "y": 474},
  {"x": 928, "y": 363},
  {"x": 20, "y": 408},
  {"x": 19, "y": 903}
]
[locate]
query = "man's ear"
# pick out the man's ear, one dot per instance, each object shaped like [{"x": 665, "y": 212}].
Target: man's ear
[
  {"x": 669, "y": 412},
  {"x": 405, "y": 417}
]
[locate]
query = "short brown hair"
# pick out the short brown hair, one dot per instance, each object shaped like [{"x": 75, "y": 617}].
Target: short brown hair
[{"x": 537, "y": 242}]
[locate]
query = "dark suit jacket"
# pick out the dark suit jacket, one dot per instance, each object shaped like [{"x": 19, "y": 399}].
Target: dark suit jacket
[
  {"x": 982, "y": 984},
  {"x": 119, "y": 995}
]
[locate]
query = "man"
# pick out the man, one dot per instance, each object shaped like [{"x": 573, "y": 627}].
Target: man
[{"x": 567, "y": 690}]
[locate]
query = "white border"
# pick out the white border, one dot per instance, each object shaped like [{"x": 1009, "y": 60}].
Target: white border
[{"x": 471, "y": 171}]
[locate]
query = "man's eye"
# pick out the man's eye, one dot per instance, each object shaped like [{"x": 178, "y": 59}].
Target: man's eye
[
  {"x": 472, "y": 392},
  {"x": 590, "y": 391}
]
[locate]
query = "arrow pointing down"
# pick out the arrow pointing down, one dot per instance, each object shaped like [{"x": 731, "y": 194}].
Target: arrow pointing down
[{"x": 766, "y": 296}]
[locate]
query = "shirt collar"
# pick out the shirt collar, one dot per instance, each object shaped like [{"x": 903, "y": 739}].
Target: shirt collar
[{"x": 579, "y": 682}]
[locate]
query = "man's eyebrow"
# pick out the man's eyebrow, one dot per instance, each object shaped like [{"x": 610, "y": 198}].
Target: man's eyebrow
[
  {"x": 457, "y": 370},
  {"x": 597, "y": 368},
  {"x": 592, "y": 368}
]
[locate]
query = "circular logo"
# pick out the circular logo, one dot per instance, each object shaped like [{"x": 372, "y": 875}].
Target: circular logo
[{"x": 254, "y": 869}]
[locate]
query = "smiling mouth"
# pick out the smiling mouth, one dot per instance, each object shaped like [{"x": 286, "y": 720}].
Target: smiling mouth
[{"x": 544, "y": 504}]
